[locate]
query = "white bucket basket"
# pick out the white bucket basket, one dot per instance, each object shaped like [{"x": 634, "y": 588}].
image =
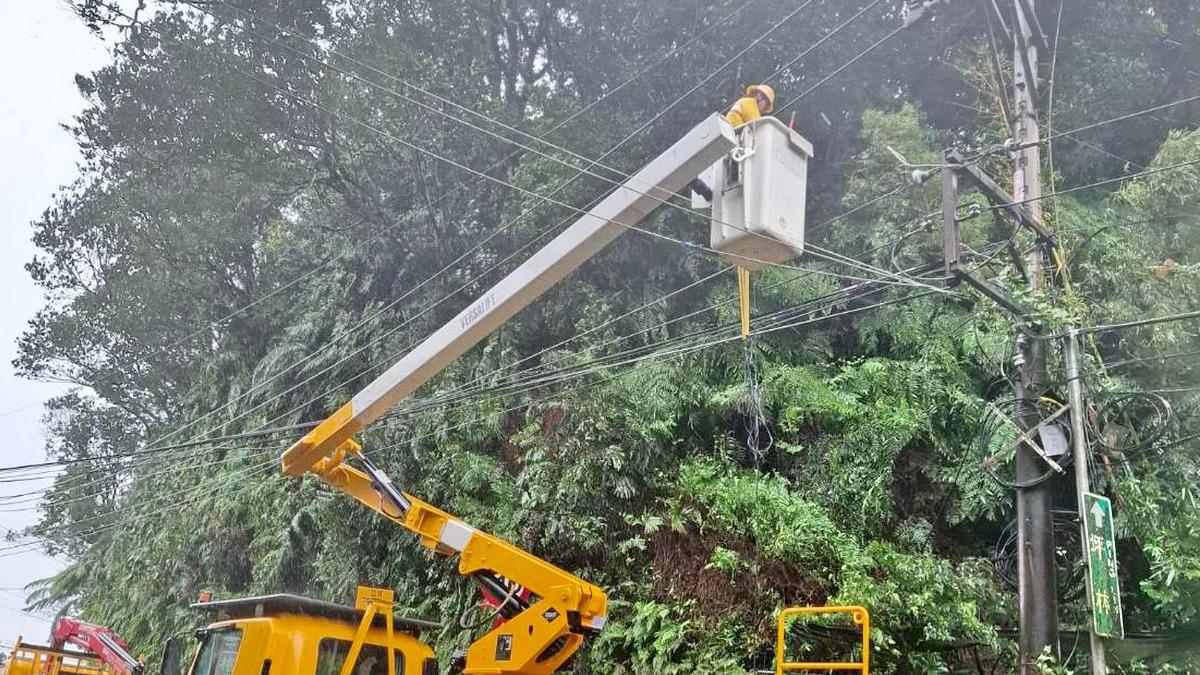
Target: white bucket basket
[{"x": 759, "y": 195}]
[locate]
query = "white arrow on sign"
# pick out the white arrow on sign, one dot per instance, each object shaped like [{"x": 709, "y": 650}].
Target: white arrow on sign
[{"x": 1098, "y": 514}]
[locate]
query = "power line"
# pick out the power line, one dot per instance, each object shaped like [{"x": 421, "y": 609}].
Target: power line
[
  {"x": 733, "y": 334},
  {"x": 540, "y": 378},
  {"x": 179, "y": 501},
  {"x": 687, "y": 349},
  {"x": 1069, "y": 133},
  {"x": 886, "y": 194},
  {"x": 809, "y": 274},
  {"x": 393, "y": 357},
  {"x": 202, "y": 488},
  {"x": 1118, "y": 179},
  {"x": 525, "y": 191},
  {"x": 586, "y": 170},
  {"x": 844, "y": 66},
  {"x": 417, "y": 102},
  {"x": 822, "y": 40},
  {"x": 863, "y": 206},
  {"x": 540, "y": 375},
  {"x": 1156, "y": 357},
  {"x": 1140, "y": 322},
  {"x": 67, "y": 499},
  {"x": 460, "y": 390},
  {"x": 450, "y": 102},
  {"x": 155, "y": 450},
  {"x": 536, "y": 195},
  {"x": 607, "y": 94},
  {"x": 1121, "y": 118},
  {"x": 212, "y": 324}
]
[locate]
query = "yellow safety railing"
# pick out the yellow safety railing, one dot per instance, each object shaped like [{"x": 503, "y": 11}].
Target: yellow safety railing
[
  {"x": 858, "y": 614},
  {"x": 27, "y": 659}
]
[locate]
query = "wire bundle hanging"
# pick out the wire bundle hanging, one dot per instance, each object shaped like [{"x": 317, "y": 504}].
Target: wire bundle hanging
[{"x": 750, "y": 407}]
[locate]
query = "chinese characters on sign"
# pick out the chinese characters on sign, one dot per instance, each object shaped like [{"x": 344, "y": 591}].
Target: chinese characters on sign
[{"x": 1103, "y": 588}]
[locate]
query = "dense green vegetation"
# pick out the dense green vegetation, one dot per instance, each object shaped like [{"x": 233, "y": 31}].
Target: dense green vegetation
[{"x": 212, "y": 183}]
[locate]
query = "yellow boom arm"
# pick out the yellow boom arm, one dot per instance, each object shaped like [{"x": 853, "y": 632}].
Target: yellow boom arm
[{"x": 540, "y": 634}]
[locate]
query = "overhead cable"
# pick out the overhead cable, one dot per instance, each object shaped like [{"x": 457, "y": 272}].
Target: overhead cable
[
  {"x": 1118, "y": 179},
  {"x": 1140, "y": 322}
]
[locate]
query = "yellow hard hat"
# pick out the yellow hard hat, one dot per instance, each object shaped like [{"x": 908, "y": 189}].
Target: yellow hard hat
[{"x": 766, "y": 91}]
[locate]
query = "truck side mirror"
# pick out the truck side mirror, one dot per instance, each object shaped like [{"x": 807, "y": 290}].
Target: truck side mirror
[{"x": 172, "y": 656}]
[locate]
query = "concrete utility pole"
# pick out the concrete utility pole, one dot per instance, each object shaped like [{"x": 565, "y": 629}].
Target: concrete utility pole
[
  {"x": 1036, "y": 584},
  {"x": 1079, "y": 450}
]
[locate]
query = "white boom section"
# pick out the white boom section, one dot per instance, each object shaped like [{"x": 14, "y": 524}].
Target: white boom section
[{"x": 628, "y": 205}]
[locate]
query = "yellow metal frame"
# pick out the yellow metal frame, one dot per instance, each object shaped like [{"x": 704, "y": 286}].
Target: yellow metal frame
[
  {"x": 372, "y": 601},
  {"x": 861, "y": 617},
  {"x": 27, "y": 659}
]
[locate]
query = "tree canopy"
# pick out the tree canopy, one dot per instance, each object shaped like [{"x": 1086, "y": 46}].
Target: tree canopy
[{"x": 279, "y": 198}]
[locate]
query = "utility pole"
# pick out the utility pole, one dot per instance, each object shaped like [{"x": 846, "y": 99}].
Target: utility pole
[
  {"x": 1037, "y": 592},
  {"x": 1079, "y": 450},
  {"x": 1036, "y": 584}
]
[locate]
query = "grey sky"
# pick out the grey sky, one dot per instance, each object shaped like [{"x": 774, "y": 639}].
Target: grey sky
[{"x": 42, "y": 46}]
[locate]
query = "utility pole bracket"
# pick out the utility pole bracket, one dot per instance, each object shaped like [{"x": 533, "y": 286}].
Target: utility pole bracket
[
  {"x": 999, "y": 196},
  {"x": 952, "y": 237},
  {"x": 1035, "y": 26}
]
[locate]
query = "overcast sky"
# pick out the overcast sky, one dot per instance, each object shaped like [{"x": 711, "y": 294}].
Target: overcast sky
[{"x": 42, "y": 46}]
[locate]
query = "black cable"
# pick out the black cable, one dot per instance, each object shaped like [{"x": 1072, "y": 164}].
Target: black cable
[
  {"x": 1053, "y": 135},
  {"x": 842, "y": 67},
  {"x": 1141, "y": 322},
  {"x": 1094, "y": 125},
  {"x": 962, "y": 463},
  {"x": 1156, "y": 357},
  {"x": 873, "y": 200},
  {"x": 1178, "y": 441},
  {"x": 822, "y": 39},
  {"x": 1068, "y": 569},
  {"x": 158, "y": 449},
  {"x": 1096, "y": 184},
  {"x": 1127, "y": 423}
]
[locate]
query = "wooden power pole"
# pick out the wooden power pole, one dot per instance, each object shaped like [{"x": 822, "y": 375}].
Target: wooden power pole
[{"x": 1036, "y": 584}]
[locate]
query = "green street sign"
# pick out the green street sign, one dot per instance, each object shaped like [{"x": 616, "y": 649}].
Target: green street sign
[{"x": 1104, "y": 590}]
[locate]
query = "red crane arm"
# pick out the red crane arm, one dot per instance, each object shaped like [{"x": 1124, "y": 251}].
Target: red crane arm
[{"x": 99, "y": 640}]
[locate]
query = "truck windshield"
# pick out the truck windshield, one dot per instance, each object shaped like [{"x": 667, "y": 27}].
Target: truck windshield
[
  {"x": 218, "y": 653},
  {"x": 372, "y": 660}
]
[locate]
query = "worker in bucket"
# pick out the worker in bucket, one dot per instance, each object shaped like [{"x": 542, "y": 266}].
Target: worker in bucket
[{"x": 758, "y": 101}]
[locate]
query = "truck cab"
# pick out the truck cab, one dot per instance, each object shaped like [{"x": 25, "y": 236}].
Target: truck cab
[{"x": 286, "y": 634}]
